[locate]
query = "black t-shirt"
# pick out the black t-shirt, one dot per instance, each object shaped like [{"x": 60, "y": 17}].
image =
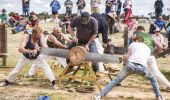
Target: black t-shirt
[
  {"x": 103, "y": 25},
  {"x": 84, "y": 32}
]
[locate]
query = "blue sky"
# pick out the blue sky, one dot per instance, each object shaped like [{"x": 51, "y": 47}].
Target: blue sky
[{"x": 140, "y": 7}]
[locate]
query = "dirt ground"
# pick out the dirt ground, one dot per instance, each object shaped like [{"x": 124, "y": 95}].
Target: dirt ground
[{"x": 133, "y": 88}]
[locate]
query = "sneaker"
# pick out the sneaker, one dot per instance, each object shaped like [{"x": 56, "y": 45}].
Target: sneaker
[
  {"x": 160, "y": 98},
  {"x": 167, "y": 89},
  {"x": 55, "y": 87},
  {"x": 97, "y": 97},
  {"x": 4, "y": 83}
]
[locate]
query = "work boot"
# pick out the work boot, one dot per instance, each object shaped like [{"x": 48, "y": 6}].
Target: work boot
[{"x": 160, "y": 98}]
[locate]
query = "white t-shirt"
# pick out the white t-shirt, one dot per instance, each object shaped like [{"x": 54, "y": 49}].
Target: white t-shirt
[{"x": 139, "y": 53}]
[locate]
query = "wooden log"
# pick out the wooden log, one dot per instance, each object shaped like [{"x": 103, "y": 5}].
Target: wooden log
[
  {"x": 77, "y": 55},
  {"x": 94, "y": 57}
]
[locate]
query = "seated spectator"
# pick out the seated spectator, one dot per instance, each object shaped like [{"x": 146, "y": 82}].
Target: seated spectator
[
  {"x": 108, "y": 4},
  {"x": 160, "y": 23},
  {"x": 21, "y": 27},
  {"x": 159, "y": 37},
  {"x": 33, "y": 21},
  {"x": 12, "y": 21}
]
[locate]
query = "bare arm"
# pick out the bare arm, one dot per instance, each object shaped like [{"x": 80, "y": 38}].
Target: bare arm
[
  {"x": 91, "y": 39},
  {"x": 65, "y": 38},
  {"x": 56, "y": 42},
  {"x": 126, "y": 57},
  {"x": 23, "y": 44},
  {"x": 43, "y": 42}
]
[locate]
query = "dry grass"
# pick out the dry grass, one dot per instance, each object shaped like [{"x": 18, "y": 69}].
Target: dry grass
[{"x": 133, "y": 88}]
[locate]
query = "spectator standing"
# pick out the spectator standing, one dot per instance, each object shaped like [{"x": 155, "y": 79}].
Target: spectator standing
[
  {"x": 69, "y": 5},
  {"x": 25, "y": 7},
  {"x": 119, "y": 10},
  {"x": 108, "y": 4},
  {"x": 3, "y": 16},
  {"x": 95, "y": 6},
  {"x": 55, "y": 6},
  {"x": 80, "y": 4},
  {"x": 127, "y": 6},
  {"x": 158, "y": 8}
]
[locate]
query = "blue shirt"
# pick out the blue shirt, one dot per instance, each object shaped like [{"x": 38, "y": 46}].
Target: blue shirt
[
  {"x": 160, "y": 23},
  {"x": 55, "y": 5}
]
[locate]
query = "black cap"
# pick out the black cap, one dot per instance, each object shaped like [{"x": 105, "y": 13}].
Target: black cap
[{"x": 85, "y": 17}]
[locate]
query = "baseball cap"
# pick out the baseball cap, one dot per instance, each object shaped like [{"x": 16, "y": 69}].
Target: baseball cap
[{"x": 85, "y": 18}]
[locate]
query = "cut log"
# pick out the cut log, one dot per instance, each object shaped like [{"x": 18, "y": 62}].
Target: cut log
[{"x": 94, "y": 57}]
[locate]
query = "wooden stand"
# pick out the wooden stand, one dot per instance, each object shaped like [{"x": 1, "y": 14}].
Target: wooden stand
[
  {"x": 3, "y": 44},
  {"x": 87, "y": 67}
]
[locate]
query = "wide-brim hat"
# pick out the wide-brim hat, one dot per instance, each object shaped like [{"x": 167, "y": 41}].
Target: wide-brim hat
[{"x": 3, "y": 10}]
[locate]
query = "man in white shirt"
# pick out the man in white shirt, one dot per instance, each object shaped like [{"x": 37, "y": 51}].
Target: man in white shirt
[{"x": 136, "y": 63}]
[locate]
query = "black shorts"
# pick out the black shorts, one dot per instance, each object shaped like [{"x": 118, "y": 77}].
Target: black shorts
[
  {"x": 55, "y": 13},
  {"x": 118, "y": 13}
]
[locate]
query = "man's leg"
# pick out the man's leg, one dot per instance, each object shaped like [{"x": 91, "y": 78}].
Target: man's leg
[
  {"x": 93, "y": 48},
  {"x": 12, "y": 75},
  {"x": 140, "y": 69},
  {"x": 156, "y": 72},
  {"x": 32, "y": 70},
  {"x": 62, "y": 61},
  {"x": 121, "y": 76},
  {"x": 100, "y": 50},
  {"x": 44, "y": 65}
]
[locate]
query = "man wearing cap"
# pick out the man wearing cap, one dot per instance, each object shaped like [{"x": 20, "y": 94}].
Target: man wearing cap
[
  {"x": 69, "y": 5},
  {"x": 87, "y": 29},
  {"x": 55, "y": 6},
  {"x": 104, "y": 21}
]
